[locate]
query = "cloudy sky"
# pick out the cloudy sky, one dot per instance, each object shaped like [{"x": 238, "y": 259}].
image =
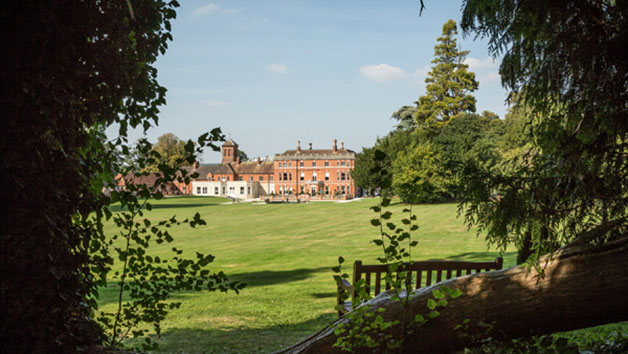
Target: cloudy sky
[{"x": 272, "y": 72}]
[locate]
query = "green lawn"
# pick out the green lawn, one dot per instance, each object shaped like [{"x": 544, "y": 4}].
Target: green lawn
[{"x": 284, "y": 253}]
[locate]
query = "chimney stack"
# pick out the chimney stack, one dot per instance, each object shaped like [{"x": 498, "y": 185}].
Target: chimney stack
[
  {"x": 259, "y": 161},
  {"x": 342, "y": 145},
  {"x": 238, "y": 160},
  {"x": 310, "y": 145},
  {"x": 335, "y": 146},
  {"x": 298, "y": 145}
]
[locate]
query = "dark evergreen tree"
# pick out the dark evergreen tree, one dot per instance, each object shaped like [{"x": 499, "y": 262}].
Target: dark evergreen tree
[{"x": 449, "y": 84}]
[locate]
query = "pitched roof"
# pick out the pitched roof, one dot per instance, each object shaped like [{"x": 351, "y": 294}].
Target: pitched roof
[
  {"x": 230, "y": 142},
  {"x": 252, "y": 167},
  {"x": 214, "y": 169}
]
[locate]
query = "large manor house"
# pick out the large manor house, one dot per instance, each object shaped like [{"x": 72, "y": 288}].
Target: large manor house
[{"x": 314, "y": 173}]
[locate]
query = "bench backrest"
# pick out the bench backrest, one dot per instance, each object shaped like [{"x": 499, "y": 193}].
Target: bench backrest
[{"x": 422, "y": 273}]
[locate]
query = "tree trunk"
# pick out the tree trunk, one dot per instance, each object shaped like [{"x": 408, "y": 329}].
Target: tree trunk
[{"x": 581, "y": 287}]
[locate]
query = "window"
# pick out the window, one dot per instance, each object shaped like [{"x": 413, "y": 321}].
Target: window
[
  {"x": 326, "y": 163},
  {"x": 301, "y": 164},
  {"x": 285, "y": 176},
  {"x": 348, "y": 189},
  {"x": 223, "y": 190},
  {"x": 204, "y": 190},
  {"x": 261, "y": 178},
  {"x": 327, "y": 190},
  {"x": 314, "y": 176},
  {"x": 232, "y": 189},
  {"x": 185, "y": 189},
  {"x": 240, "y": 178},
  {"x": 302, "y": 189},
  {"x": 342, "y": 176},
  {"x": 241, "y": 190},
  {"x": 198, "y": 190},
  {"x": 326, "y": 175},
  {"x": 290, "y": 176},
  {"x": 337, "y": 176},
  {"x": 227, "y": 178},
  {"x": 337, "y": 163},
  {"x": 342, "y": 163},
  {"x": 284, "y": 164},
  {"x": 251, "y": 178},
  {"x": 270, "y": 178},
  {"x": 248, "y": 189},
  {"x": 290, "y": 164},
  {"x": 280, "y": 176},
  {"x": 302, "y": 177},
  {"x": 342, "y": 188},
  {"x": 313, "y": 163},
  {"x": 313, "y": 190},
  {"x": 216, "y": 190}
]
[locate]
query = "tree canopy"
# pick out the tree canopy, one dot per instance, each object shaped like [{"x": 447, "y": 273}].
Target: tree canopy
[{"x": 575, "y": 177}]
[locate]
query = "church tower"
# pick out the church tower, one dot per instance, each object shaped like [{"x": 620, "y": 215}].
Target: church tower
[{"x": 229, "y": 152}]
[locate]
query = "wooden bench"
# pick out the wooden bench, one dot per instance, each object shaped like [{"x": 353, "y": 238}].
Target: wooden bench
[{"x": 422, "y": 273}]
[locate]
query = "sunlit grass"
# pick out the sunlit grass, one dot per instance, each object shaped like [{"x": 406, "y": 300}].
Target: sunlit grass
[{"x": 284, "y": 253}]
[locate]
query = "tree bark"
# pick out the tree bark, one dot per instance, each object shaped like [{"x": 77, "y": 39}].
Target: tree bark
[{"x": 581, "y": 287}]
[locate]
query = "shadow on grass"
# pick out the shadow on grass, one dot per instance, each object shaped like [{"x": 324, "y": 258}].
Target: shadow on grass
[
  {"x": 238, "y": 337},
  {"x": 262, "y": 278},
  {"x": 271, "y": 277}
]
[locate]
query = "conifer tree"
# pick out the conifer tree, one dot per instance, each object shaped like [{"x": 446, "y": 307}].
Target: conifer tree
[{"x": 449, "y": 84}]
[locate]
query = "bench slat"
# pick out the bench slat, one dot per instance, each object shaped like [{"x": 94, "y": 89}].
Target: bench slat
[
  {"x": 378, "y": 283},
  {"x": 379, "y": 270}
]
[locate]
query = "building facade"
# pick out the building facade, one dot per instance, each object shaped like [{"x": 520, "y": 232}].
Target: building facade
[
  {"x": 315, "y": 173},
  {"x": 231, "y": 178},
  {"x": 325, "y": 173}
]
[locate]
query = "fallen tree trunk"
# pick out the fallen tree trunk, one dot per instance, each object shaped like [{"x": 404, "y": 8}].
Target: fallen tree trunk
[{"x": 581, "y": 287}]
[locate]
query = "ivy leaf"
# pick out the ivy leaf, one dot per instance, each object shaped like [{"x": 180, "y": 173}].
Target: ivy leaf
[{"x": 431, "y": 304}]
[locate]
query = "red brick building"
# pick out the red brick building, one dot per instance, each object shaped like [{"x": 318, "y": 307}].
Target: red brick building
[{"x": 322, "y": 172}]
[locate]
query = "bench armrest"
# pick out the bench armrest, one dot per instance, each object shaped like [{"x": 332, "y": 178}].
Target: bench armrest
[{"x": 345, "y": 285}]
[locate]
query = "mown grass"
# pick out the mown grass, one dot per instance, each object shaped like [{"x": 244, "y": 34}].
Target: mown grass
[{"x": 283, "y": 252}]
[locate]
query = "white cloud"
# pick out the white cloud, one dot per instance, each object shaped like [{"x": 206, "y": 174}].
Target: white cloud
[
  {"x": 421, "y": 73},
  {"x": 214, "y": 103},
  {"x": 383, "y": 73},
  {"x": 278, "y": 69},
  {"x": 212, "y": 8},
  {"x": 492, "y": 76},
  {"x": 481, "y": 64}
]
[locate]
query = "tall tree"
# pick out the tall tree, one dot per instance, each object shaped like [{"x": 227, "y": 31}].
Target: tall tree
[
  {"x": 449, "y": 83},
  {"x": 75, "y": 69},
  {"x": 170, "y": 151},
  {"x": 575, "y": 178}
]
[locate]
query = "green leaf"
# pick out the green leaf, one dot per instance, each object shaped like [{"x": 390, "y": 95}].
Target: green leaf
[
  {"x": 375, "y": 222},
  {"x": 431, "y": 304},
  {"x": 455, "y": 293},
  {"x": 434, "y": 314}
]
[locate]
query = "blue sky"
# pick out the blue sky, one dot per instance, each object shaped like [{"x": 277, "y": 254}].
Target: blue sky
[{"x": 270, "y": 73}]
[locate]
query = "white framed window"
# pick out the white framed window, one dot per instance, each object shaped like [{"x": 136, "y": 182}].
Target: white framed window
[
  {"x": 302, "y": 177},
  {"x": 251, "y": 178},
  {"x": 204, "y": 190},
  {"x": 216, "y": 190},
  {"x": 326, "y": 175},
  {"x": 313, "y": 176},
  {"x": 241, "y": 190},
  {"x": 198, "y": 190}
]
